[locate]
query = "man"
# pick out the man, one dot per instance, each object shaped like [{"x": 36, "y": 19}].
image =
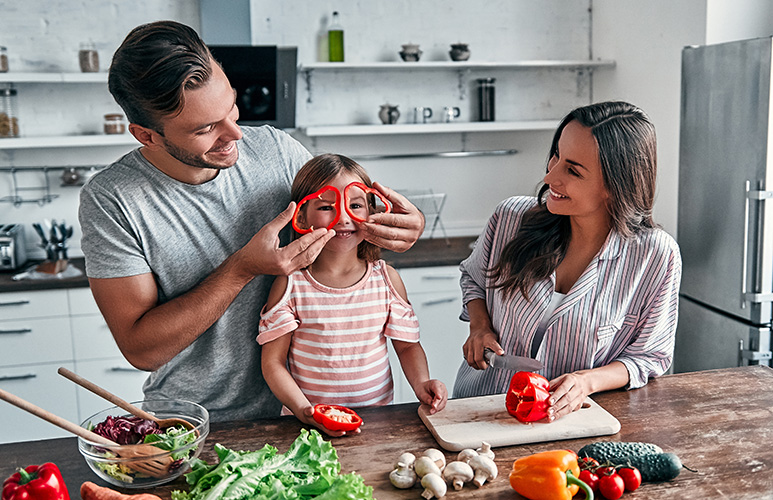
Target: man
[{"x": 178, "y": 235}]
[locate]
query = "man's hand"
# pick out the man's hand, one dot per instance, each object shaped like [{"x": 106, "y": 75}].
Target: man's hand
[
  {"x": 397, "y": 230},
  {"x": 262, "y": 255}
]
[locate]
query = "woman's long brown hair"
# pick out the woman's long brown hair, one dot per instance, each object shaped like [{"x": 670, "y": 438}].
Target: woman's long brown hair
[{"x": 627, "y": 152}]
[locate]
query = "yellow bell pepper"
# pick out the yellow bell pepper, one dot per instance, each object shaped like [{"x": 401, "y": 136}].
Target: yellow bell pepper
[{"x": 550, "y": 475}]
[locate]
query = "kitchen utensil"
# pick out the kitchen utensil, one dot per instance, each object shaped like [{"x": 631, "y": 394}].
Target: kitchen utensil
[
  {"x": 388, "y": 114},
  {"x": 137, "y": 412},
  {"x": 155, "y": 467},
  {"x": 451, "y": 113},
  {"x": 512, "y": 363},
  {"x": 459, "y": 52},
  {"x": 421, "y": 114},
  {"x": 466, "y": 422}
]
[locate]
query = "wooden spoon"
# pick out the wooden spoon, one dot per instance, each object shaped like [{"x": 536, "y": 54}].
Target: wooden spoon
[
  {"x": 155, "y": 465},
  {"x": 138, "y": 412}
]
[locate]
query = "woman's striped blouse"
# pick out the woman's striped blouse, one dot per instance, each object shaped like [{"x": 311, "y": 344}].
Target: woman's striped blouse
[{"x": 622, "y": 308}]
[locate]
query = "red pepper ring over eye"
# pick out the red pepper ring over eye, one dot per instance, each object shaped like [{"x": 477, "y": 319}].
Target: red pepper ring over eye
[
  {"x": 527, "y": 397},
  {"x": 368, "y": 191},
  {"x": 314, "y": 196},
  {"x": 336, "y": 417}
]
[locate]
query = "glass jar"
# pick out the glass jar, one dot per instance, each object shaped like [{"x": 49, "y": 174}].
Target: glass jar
[
  {"x": 88, "y": 57},
  {"x": 9, "y": 121},
  {"x": 3, "y": 60},
  {"x": 486, "y": 102},
  {"x": 114, "y": 123}
]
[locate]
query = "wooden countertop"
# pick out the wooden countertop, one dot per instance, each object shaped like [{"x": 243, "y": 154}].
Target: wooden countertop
[
  {"x": 426, "y": 252},
  {"x": 719, "y": 422}
]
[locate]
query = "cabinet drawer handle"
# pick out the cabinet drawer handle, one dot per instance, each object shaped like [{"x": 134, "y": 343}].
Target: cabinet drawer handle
[
  {"x": 13, "y": 332},
  {"x": 123, "y": 369},
  {"x": 26, "y": 376},
  {"x": 439, "y": 301},
  {"x": 17, "y": 303}
]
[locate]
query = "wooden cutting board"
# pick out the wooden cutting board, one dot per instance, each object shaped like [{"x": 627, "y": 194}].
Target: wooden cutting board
[{"x": 464, "y": 423}]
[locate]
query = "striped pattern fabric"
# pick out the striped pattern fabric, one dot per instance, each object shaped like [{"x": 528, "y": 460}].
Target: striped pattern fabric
[
  {"x": 338, "y": 353},
  {"x": 622, "y": 308}
]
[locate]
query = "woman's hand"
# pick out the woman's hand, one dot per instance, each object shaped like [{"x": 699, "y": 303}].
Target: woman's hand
[
  {"x": 567, "y": 392},
  {"x": 306, "y": 415},
  {"x": 482, "y": 336},
  {"x": 434, "y": 394}
]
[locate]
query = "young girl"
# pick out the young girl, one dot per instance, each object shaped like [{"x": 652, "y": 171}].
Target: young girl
[{"x": 324, "y": 328}]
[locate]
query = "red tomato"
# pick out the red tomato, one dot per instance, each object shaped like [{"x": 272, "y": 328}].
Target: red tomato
[
  {"x": 337, "y": 418},
  {"x": 631, "y": 477},
  {"x": 611, "y": 486},
  {"x": 587, "y": 463},
  {"x": 591, "y": 479}
]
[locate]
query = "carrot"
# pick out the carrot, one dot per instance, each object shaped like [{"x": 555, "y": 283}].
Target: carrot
[{"x": 91, "y": 491}]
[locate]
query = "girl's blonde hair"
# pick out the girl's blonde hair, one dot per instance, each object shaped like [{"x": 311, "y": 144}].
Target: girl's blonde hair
[{"x": 322, "y": 169}]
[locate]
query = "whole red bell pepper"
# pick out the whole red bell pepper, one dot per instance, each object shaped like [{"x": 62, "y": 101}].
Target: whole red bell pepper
[
  {"x": 36, "y": 482},
  {"x": 527, "y": 397}
]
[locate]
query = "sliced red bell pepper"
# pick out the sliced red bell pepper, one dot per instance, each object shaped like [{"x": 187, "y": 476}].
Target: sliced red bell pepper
[
  {"x": 527, "y": 397},
  {"x": 36, "y": 482},
  {"x": 336, "y": 417},
  {"x": 367, "y": 190},
  {"x": 314, "y": 196}
]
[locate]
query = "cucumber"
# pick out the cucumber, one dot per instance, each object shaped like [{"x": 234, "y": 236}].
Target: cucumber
[
  {"x": 611, "y": 451},
  {"x": 654, "y": 467}
]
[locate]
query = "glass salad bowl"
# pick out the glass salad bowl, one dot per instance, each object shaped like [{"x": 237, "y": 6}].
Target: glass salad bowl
[{"x": 144, "y": 455}]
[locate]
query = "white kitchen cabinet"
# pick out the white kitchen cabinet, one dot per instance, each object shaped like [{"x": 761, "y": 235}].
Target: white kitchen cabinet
[
  {"x": 437, "y": 299},
  {"x": 43, "y": 330}
]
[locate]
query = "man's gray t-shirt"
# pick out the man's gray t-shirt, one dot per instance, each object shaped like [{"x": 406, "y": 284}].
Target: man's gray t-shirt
[{"x": 136, "y": 220}]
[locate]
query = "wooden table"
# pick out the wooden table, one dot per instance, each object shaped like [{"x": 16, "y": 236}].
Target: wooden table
[{"x": 719, "y": 422}]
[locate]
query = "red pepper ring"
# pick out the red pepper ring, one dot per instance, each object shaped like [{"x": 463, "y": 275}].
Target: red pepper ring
[
  {"x": 336, "y": 417},
  {"x": 313, "y": 196},
  {"x": 367, "y": 190},
  {"x": 527, "y": 397}
]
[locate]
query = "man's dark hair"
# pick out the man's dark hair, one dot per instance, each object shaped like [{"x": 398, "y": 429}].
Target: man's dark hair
[{"x": 152, "y": 68}]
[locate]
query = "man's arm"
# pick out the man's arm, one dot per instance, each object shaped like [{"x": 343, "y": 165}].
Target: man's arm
[{"x": 149, "y": 334}]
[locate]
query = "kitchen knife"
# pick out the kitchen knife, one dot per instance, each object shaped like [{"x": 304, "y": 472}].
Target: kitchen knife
[{"x": 512, "y": 363}]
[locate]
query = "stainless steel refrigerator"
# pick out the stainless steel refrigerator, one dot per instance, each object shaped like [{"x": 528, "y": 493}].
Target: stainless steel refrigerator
[{"x": 725, "y": 216}]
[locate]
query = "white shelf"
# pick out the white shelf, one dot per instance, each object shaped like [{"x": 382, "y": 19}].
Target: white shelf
[
  {"x": 68, "y": 141},
  {"x": 427, "y": 128},
  {"x": 53, "y": 77},
  {"x": 400, "y": 65}
]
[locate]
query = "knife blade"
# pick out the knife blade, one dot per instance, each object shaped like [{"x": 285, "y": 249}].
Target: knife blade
[{"x": 512, "y": 363}]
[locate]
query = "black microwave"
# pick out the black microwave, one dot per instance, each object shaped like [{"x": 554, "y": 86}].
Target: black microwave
[{"x": 264, "y": 78}]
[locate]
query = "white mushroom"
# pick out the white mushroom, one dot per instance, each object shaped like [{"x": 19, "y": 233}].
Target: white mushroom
[
  {"x": 466, "y": 454},
  {"x": 458, "y": 473},
  {"x": 485, "y": 449},
  {"x": 425, "y": 465},
  {"x": 407, "y": 458},
  {"x": 402, "y": 477},
  {"x": 485, "y": 469},
  {"x": 434, "y": 486},
  {"x": 437, "y": 456}
]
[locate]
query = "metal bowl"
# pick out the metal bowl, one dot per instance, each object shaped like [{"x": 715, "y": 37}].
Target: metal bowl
[{"x": 106, "y": 462}]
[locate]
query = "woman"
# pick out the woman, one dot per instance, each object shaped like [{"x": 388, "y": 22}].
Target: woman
[{"x": 580, "y": 277}]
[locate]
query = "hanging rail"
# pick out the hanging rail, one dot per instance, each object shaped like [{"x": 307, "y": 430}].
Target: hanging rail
[{"x": 447, "y": 154}]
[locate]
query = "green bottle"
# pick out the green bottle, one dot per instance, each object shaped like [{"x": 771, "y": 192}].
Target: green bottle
[{"x": 335, "y": 40}]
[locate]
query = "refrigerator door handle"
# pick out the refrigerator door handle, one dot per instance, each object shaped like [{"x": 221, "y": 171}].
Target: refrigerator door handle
[{"x": 757, "y": 195}]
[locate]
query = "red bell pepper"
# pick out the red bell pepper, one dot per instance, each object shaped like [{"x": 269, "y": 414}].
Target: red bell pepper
[
  {"x": 337, "y": 418},
  {"x": 527, "y": 397},
  {"x": 36, "y": 482},
  {"x": 368, "y": 191},
  {"x": 314, "y": 196}
]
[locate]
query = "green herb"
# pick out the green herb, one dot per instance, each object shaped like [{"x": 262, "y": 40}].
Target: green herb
[{"x": 308, "y": 470}]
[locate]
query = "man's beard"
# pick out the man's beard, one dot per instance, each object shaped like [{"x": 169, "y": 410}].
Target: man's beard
[{"x": 187, "y": 158}]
